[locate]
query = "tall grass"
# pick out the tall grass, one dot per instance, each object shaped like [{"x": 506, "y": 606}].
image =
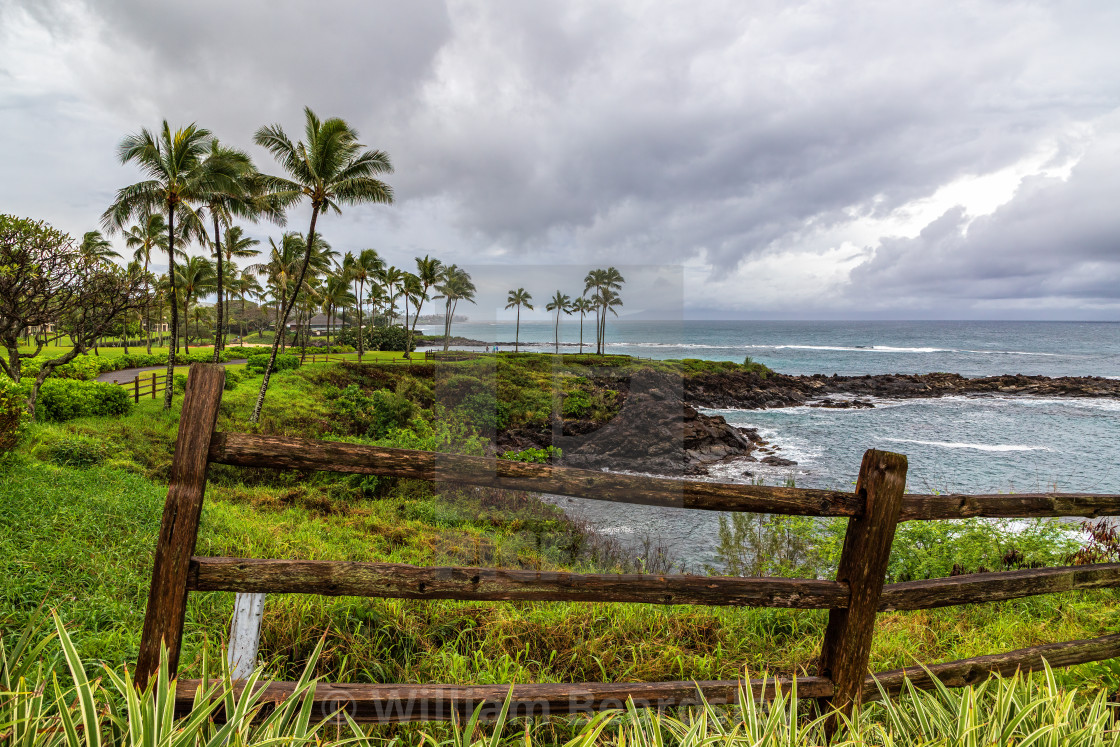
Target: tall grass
[{"x": 38, "y": 707}]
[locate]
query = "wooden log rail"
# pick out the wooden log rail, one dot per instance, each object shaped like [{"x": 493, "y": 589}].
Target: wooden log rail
[
  {"x": 143, "y": 386},
  {"x": 853, "y": 598}
]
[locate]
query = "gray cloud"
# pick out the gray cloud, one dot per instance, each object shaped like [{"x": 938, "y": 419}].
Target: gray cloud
[{"x": 717, "y": 133}]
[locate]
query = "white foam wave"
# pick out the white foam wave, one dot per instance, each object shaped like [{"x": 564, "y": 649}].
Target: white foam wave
[{"x": 976, "y": 447}]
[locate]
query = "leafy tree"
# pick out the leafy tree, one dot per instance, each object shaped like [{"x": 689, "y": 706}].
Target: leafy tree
[
  {"x": 45, "y": 280},
  {"x": 176, "y": 182},
  {"x": 518, "y": 298},
  {"x": 561, "y": 303},
  {"x": 329, "y": 169}
]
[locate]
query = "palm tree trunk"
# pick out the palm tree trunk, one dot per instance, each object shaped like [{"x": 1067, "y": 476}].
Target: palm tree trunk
[
  {"x": 241, "y": 337},
  {"x": 287, "y": 309},
  {"x": 581, "y": 333},
  {"x": 218, "y": 307},
  {"x": 187, "y": 323},
  {"x": 517, "y": 331},
  {"x": 447, "y": 325},
  {"x": 415, "y": 318},
  {"x": 174, "y": 342},
  {"x": 556, "y": 334}
]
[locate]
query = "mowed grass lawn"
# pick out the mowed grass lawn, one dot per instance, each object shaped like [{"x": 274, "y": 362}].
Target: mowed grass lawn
[{"x": 80, "y": 506}]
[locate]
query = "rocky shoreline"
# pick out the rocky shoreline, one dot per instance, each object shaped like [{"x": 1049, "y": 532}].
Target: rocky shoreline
[{"x": 659, "y": 428}]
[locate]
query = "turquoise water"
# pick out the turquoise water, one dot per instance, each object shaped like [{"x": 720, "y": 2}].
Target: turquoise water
[{"x": 960, "y": 444}]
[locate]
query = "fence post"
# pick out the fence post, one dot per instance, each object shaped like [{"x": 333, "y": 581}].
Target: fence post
[
  {"x": 863, "y": 565},
  {"x": 153, "y": 384},
  {"x": 136, "y": 388},
  {"x": 178, "y": 531}
]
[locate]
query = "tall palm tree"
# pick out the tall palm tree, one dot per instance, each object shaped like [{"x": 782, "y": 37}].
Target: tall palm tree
[
  {"x": 196, "y": 279},
  {"x": 604, "y": 286},
  {"x": 148, "y": 234},
  {"x": 428, "y": 272},
  {"x": 584, "y": 306},
  {"x": 330, "y": 169},
  {"x": 411, "y": 290},
  {"x": 236, "y": 171},
  {"x": 518, "y": 298},
  {"x": 280, "y": 269},
  {"x": 561, "y": 303},
  {"x": 456, "y": 285},
  {"x": 390, "y": 278},
  {"x": 237, "y": 245},
  {"x": 176, "y": 181},
  {"x": 245, "y": 284},
  {"x": 336, "y": 295},
  {"x": 363, "y": 269}
]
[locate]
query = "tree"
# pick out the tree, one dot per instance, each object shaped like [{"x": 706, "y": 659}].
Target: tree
[
  {"x": 362, "y": 269},
  {"x": 456, "y": 286},
  {"x": 518, "y": 298},
  {"x": 561, "y": 303},
  {"x": 237, "y": 191},
  {"x": 237, "y": 246},
  {"x": 604, "y": 285},
  {"x": 330, "y": 169},
  {"x": 96, "y": 248},
  {"x": 45, "y": 280},
  {"x": 390, "y": 278},
  {"x": 195, "y": 278},
  {"x": 176, "y": 181},
  {"x": 336, "y": 294},
  {"x": 428, "y": 272},
  {"x": 245, "y": 284},
  {"x": 148, "y": 234},
  {"x": 584, "y": 306}
]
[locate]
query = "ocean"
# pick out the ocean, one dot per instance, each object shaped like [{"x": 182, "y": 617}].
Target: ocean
[{"x": 981, "y": 444}]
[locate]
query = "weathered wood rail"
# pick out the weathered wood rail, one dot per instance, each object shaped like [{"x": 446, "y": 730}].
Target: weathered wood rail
[
  {"x": 144, "y": 386},
  {"x": 853, "y": 599}
]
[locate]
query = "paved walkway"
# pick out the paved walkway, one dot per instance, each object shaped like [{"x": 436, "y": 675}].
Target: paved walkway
[{"x": 128, "y": 374}]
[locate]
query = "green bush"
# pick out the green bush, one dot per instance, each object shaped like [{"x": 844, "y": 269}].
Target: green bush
[
  {"x": 373, "y": 415},
  {"x": 64, "y": 399},
  {"x": 284, "y": 362},
  {"x": 12, "y": 416},
  {"x": 377, "y": 338},
  {"x": 234, "y": 376},
  {"x": 576, "y": 403},
  {"x": 79, "y": 451},
  {"x": 534, "y": 456}
]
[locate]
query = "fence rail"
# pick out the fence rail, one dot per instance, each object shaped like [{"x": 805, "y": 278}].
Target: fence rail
[
  {"x": 853, "y": 599},
  {"x": 143, "y": 385}
]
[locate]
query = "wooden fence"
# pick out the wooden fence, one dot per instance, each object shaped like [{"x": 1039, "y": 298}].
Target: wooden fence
[
  {"x": 853, "y": 599},
  {"x": 144, "y": 385}
]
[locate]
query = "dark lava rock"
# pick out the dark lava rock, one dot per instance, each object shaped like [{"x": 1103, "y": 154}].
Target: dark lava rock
[{"x": 777, "y": 461}]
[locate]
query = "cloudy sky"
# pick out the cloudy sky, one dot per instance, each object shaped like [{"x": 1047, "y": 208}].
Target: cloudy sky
[{"x": 775, "y": 159}]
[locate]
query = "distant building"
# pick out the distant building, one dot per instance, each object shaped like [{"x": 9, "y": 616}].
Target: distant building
[{"x": 317, "y": 324}]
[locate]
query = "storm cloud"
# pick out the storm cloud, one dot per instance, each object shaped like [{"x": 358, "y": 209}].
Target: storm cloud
[{"x": 813, "y": 159}]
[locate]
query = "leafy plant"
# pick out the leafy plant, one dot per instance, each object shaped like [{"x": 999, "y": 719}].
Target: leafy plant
[
  {"x": 534, "y": 456},
  {"x": 64, "y": 399}
]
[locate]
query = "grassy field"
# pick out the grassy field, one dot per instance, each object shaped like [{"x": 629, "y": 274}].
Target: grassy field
[{"x": 80, "y": 504}]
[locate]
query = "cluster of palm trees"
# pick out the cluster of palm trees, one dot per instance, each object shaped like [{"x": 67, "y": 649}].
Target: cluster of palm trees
[
  {"x": 202, "y": 186},
  {"x": 601, "y": 295}
]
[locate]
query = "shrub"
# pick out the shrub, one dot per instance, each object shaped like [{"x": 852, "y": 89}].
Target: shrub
[
  {"x": 576, "y": 403},
  {"x": 234, "y": 376},
  {"x": 63, "y": 399},
  {"x": 283, "y": 362},
  {"x": 12, "y": 416},
  {"x": 534, "y": 456},
  {"x": 389, "y": 411},
  {"x": 79, "y": 451},
  {"x": 377, "y": 338}
]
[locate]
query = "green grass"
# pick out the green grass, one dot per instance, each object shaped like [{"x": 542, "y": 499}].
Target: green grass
[{"x": 81, "y": 539}]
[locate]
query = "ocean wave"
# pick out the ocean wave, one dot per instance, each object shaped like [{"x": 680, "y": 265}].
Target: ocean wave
[
  {"x": 975, "y": 447},
  {"x": 832, "y": 348}
]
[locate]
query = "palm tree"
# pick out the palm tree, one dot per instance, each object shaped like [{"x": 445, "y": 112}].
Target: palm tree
[
  {"x": 236, "y": 171},
  {"x": 518, "y": 298},
  {"x": 428, "y": 271},
  {"x": 330, "y": 169},
  {"x": 456, "y": 286},
  {"x": 237, "y": 246},
  {"x": 391, "y": 277},
  {"x": 96, "y": 248},
  {"x": 196, "y": 279},
  {"x": 245, "y": 284},
  {"x": 175, "y": 180},
  {"x": 583, "y": 306},
  {"x": 411, "y": 290},
  {"x": 336, "y": 294},
  {"x": 363, "y": 269},
  {"x": 148, "y": 234},
  {"x": 282, "y": 264},
  {"x": 561, "y": 303},
  {"x": 604, "y": 285}
]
